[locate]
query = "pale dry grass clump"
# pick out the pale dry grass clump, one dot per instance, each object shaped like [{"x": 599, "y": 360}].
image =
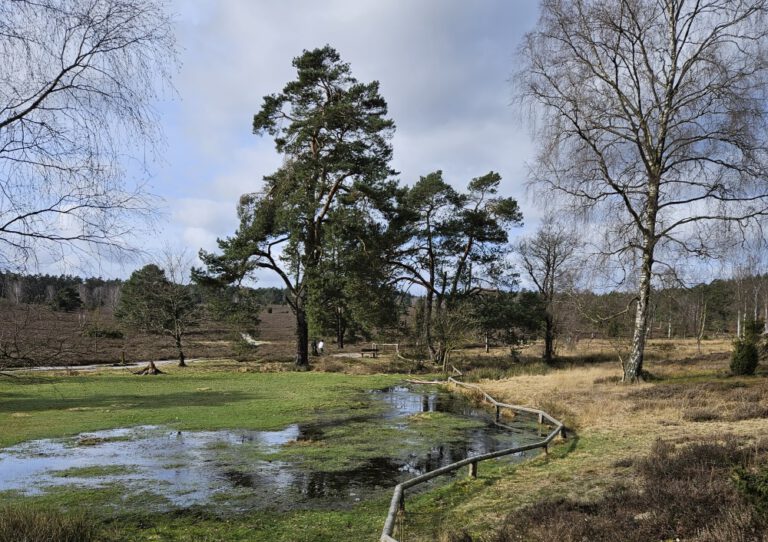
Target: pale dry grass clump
[
  {"x": 689, "y": 393},
  {"x": 573, "y": 390}
]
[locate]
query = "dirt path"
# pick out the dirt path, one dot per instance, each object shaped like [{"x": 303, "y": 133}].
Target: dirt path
[{"x": 100, "y": 366}]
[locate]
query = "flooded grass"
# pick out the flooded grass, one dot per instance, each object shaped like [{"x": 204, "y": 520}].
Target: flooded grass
[
  {"x": 397, "y": 433},
  {"x": 94, "y": 471},
  {"x": 53, "y": 406},
  {"x": 345, "y": 443}
]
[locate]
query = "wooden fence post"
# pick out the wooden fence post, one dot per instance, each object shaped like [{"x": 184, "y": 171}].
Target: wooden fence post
[{"x": 473, "y": 469}]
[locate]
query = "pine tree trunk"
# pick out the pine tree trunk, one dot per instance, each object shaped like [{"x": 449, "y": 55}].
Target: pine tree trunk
[
  {"x": 340, "y": 329},
  {"x": 428, "y": 328},
  {"x": 302, "y": 339}
]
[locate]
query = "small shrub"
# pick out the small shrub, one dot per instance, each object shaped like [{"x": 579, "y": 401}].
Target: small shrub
[
  {"x": 754, "y": 484},
  {"x": 700, "y": 415},
  {"x": 744, "y": 358},
  {"x": 624, "y": 463},
  {"x": 21, "y": 523},
  {"x": 749, "y": 411}
]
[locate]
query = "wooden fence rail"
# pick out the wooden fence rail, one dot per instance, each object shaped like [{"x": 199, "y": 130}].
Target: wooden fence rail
[{"x": 398, "y": 497}]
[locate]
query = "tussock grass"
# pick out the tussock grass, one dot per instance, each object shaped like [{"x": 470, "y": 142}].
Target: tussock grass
[{"x": 27, "y": 524}]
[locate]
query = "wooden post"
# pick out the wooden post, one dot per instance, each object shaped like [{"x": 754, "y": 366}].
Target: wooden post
[
  {"x": 541, "y": 418},
  {"x": 498, "y": 413},
  {"x": 563, "y": 433},
  {"x": 473, "y": 469}
]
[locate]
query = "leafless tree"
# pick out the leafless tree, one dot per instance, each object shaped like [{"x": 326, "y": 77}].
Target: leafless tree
[
  {"x": 652, "y": 119},
  {"x": 547, "y": 257},
  {"x": 159, "y": 300},
  {"x": 78, "y": 79}
]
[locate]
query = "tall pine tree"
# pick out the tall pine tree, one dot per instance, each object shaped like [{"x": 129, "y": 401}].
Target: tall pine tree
[{"x": 333, "y": 133}]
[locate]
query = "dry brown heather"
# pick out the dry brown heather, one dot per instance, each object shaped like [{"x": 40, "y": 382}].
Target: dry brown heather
[
  {"x": 690, "y": 412},
  {"x": 47, "y": 337}
]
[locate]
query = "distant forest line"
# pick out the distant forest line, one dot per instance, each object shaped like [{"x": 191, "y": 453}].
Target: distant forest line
[
  {"x": 707, "y": 310},
  {"x": 94, "y": 292}
]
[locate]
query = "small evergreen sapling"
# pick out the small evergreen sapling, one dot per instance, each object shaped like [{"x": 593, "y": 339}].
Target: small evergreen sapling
[{"x": 745, "y": 352}]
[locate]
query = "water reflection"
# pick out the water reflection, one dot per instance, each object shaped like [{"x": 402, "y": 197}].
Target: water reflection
[{"x": 195, "y": 467}]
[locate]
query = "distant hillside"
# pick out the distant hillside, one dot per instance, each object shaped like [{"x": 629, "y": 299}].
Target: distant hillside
[{"x": 32, "y": 333}]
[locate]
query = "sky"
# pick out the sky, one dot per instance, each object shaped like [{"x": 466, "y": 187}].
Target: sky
[{"x": 444, "y": 67}]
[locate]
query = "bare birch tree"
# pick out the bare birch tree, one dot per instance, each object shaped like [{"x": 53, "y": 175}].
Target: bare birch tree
[
  {"x": 652, "y": 120},
  {"x": 546, "y": 257},
  {"x": 78, "y": 80}
]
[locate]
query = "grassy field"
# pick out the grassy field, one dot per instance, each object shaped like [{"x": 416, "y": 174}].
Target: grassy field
[
  {"x": 216, "y": 395},
  {"x": 694, "y": 431}
]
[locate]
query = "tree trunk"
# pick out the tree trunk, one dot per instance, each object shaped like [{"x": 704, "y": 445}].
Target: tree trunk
[
  {"x": 487, "y": 344},
  {"x": 703, "y": 322},
  {"x": 549, "y": 338},
  {"x": 442, "y": 357},
  {"x": 302, "y": 339},
  {"x": 150, "y": 369},
  {"x": 182, "y": 363},
  {"x": 428, "y": 327},
  {"x": 633, "y": 370},
  {"x": 341, "y": 328}
]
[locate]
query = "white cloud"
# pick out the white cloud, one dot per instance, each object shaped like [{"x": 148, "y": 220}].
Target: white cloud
[
  {"x": 200, "y": 237},
  {"x": 443, "y": 66}
]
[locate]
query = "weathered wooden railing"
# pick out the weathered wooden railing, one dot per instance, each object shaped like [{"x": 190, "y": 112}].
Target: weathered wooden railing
[{"x": 398, "y": 498}]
